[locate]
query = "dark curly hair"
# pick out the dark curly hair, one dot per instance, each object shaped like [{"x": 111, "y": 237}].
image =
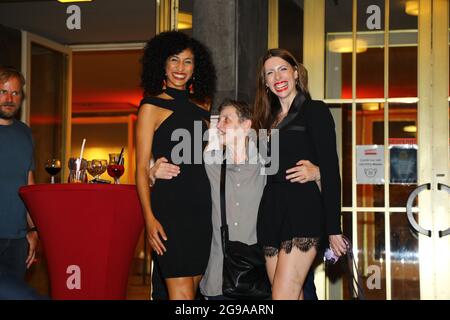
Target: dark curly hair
[{"x": 166, "y": 44}]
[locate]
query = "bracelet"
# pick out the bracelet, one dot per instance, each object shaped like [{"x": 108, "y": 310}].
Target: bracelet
[{"x": 32, "y": 229}]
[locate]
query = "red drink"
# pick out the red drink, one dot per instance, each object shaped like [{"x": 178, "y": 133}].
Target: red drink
[
  {"x": 115, "y": 171},
  {"x": 53, "y": 171}
]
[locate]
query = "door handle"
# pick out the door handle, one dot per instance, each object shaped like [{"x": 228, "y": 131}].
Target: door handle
[
  {"x": 444, "y": 187},
  {"x": 409, "y": 213}
]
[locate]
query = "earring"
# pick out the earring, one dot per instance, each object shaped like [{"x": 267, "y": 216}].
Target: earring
[
  {"x": 191, "y": 88},
  {"x": 164, "y": 84}
]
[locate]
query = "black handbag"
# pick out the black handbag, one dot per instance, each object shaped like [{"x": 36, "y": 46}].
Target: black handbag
[{"x": 244, "y": 270}]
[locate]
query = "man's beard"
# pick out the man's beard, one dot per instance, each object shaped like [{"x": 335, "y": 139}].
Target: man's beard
[{"x": 8, "y": 115}]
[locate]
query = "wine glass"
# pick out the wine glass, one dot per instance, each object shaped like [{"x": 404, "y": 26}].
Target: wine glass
[
  {"x": 90, "y": 169},
  {"x": 115, "y": 169},
  {"x": 96, "y": 167},
  {"x": 53, "y": 167}
]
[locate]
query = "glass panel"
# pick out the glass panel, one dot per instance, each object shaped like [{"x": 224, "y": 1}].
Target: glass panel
[
  {"x": 372, "y": 254},
  {"x": 403, "y": 152},
  {"x": 185, "y": 16},
  {"x": 339, "y": 271},
  {"x": 403, "y": 48},
  {"x": 370, "y": 138},
  {"x": 404, "y": 259},
  {"x": 370, "y": 49},
  {"x": 47, "y": 106},
  {"x": 338, "y": 32},
  {"x": 290, "y": 26},
  {"x": 344, "y": 145}
]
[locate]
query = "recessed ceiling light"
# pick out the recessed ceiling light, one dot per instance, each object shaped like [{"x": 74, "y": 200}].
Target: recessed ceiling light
[
  {"x": 345, "y": 45},
  {"x": 184, "y": 20},
  {"x": 371, "y": 106},
  {"x": 412, "y": 7},
  {"x": 410, "y": 129}
]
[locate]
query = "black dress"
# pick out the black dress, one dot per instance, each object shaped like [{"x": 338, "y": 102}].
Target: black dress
[
  {"x": 296, "y": 214},
  {"x": 183, "y": 204}
]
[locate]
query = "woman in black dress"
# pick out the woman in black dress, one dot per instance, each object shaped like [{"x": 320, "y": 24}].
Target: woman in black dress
[
  {"x": 293, "y": 217},
  {"x": 179, "y": 81}
]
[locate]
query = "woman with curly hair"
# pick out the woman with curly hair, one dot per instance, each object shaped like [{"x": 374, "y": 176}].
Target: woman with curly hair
[{"x": 179, "y": 80}]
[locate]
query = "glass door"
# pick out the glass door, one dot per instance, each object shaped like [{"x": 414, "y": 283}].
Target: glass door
[
  {"x": 47, "y": 67},
  {"x": 386, "y": 82},
  {"x": 434, "y": 211}
]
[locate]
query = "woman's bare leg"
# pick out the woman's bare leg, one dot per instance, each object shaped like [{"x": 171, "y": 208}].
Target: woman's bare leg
[
  {"x": 290, "y": 274},
  {"x": 271, "y": 267},
  {"x": 197, "y": 282},
  {"x": 182, "y": 288}
]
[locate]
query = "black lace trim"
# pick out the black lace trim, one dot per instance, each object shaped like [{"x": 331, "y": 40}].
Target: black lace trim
[
  {"x": 270, "y": 251},
  {"x": 303, "y": 244}
]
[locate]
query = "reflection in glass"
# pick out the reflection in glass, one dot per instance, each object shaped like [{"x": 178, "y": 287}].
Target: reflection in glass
[
  {"x": 371, "y": 254},
  {"x": 370, "y": 131},
  {"x": 402, "y": 50},
  {"x": 344, "y": 131},
  {"x": 370, "y": 73},
  {"x": 338, "y": 273},
  {"x": 404, "y": 259},
  {"x": 370, "y": 59},
  {"x": 338, "y": 30},
  {"x": 402, "y": 131},
  {"x": 402, "y": 72}
]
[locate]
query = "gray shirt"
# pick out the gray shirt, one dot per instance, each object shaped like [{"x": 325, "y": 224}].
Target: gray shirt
[{"x": 243, "y": 189}]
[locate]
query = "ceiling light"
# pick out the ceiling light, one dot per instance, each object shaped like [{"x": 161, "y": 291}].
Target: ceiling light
[
  {"x": 410, "y": 129},
  {"x": 370, "y": 106},
  {"x": 345, "y": 45},
  {"x": 412, "y": 7},
  {"x": 184, "y": 20}
]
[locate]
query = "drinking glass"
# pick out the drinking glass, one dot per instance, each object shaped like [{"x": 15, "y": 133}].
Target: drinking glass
[
  {"x": 53, "y": 167},
  {"x": 115, "y": 169},
  {"x": 96, "y": 167},
  {"x": 77, "y": 170}
]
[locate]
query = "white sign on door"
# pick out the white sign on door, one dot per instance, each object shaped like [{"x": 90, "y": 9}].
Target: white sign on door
[{"x": 370, "y": 164}]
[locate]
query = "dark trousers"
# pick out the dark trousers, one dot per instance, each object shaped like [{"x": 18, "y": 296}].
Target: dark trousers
[
  {"x": 13, "y": 254},
  {"x": 159, "y": 291},
  {"x": 13, "y": 288}
]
